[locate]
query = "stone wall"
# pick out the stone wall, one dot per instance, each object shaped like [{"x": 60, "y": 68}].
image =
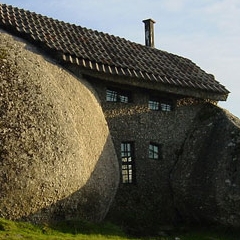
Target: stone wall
[
  {"x": 197, "y": 178},
  {"x": 57, "y": 159},
  {"x": 152, "y": 194}
]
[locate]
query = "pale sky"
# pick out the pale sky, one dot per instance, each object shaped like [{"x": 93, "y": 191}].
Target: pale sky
[{"x": 205, "y": 31}]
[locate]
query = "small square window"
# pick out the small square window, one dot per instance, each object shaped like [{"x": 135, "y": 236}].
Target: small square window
[
  {"x": 154, "y": 151},
  {"x": 160, "y": 104},
  {"x": 111, "y": 95},
  {"x": 166, "y": 107},
  {"x": 118, "y": 95},
  {"x": 153, "y": 105}
]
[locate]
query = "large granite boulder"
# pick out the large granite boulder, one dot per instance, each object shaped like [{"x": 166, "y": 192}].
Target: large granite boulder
[
  {"x": 57, "y": 159},
  {"x": 206, "y": 177}
]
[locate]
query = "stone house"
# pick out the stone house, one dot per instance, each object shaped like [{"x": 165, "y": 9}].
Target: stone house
[{"x": 149, "y": 97}]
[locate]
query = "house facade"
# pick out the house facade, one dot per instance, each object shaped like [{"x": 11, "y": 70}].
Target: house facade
[
  {"x": 148, "y": 131},
  {"x": 149, "y": 97}
]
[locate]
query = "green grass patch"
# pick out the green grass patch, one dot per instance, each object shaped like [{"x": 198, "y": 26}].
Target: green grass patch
[
  {"x": 82, "y": 230},
  {"x": 77, "y": 230}
]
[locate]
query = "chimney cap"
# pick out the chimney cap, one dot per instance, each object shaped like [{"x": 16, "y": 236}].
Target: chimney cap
[{"x": 149, "y": 20}]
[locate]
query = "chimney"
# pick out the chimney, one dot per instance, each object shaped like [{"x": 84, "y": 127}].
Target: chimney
[{"x": 149, "y": 32}]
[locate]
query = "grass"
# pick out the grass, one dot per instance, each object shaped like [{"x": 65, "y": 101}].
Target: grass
[
  {"x": 68, "y": 230},
  {"x": 79, "y": 230}
]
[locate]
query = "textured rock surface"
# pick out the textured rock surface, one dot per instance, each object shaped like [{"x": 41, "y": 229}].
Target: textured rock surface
[
  {"x": 56, "y": 155},
  {"x": 206, "y": 179},
  {"x": 57, "y": 158}
]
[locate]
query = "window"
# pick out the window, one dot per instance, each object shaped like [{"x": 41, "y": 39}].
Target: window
[
  {"x": 167, "y": 107},
  {"x": 117, "y": 95},
  {"x": 153, "y": 105},
  {"x": 160, "y": 105},
  {"x": 127, "y": 156},
  {"x": 111, "y": 96},
  {"x": 154, "y": 151}
]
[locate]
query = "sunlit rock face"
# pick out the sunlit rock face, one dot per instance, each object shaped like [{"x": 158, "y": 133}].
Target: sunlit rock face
[
  {"x": 57, "y": 159},
  {"x": 206, "y": 177}
]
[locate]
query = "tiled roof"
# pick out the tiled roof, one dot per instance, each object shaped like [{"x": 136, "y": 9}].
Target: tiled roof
[{"x": 108, "y": 54}]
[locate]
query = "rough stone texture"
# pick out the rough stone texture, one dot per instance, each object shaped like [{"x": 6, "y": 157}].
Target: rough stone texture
[
  {"x": 206, "y": 177},
  {"x": 149, "y": 202},
  {"x": 197, "y": 179},
  {"x": 57, "y": 159}
]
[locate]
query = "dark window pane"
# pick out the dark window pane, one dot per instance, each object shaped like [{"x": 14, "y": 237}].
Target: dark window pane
[
  {"x": 127, "y": 162},
  {"x": 117, "y": 95},
  {"x": 159, "y": 104},
  {"x": 123, "y": 99},
  {"x": 111, "y": 96},
  {"x": 153, "y": 152},
  {"x": 153, "y": 105},
  {"x": 166, "y": 107}
]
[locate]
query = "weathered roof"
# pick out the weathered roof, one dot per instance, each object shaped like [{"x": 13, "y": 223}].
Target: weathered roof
[{"x": 108, "y": 54}]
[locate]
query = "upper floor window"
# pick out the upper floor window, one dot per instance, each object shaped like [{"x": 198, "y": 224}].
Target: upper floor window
[
  {"x": 160, "y": 105},
  {"x": 154, "y": 151},
  {"x": 127, "y": 156},
  {"x": 153, "y": 105},
  {"x": 118, "y": 95}
]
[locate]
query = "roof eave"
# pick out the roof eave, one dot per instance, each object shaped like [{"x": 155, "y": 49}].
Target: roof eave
[{"x": 151, "y": 85}]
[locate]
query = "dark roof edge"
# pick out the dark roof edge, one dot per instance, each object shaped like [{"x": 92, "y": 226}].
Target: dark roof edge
[
  {"x": 131, "y": 73},
  {"x": 124, "y": 80}
]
